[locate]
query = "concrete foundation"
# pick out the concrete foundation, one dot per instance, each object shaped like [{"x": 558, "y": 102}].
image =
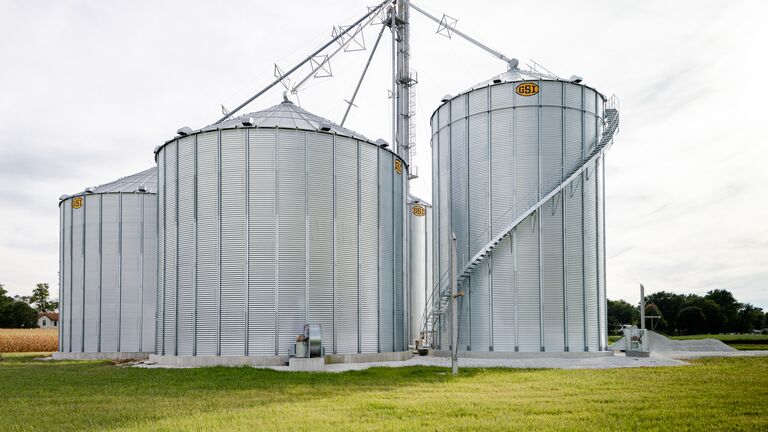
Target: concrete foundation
[
  {"x": 100, "y": 355},
  {"x": 368, "y": 358},
  {"x": 522, "y": 355},
  {"x": 269, "y": 361},
  {"x": 315, "y": 364}
]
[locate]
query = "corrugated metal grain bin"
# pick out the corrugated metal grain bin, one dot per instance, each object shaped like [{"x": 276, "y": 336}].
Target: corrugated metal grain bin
[
  {"x": 272, "y": 220},
  {"x": 420, "y": 243},
  {"x": 498, "y": 150},
  {"x": 107, "y": 267}
]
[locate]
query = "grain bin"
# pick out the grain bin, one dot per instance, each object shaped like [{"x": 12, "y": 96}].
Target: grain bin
[
  {"x": 107, "y": 269},
  {"x": 420, "y": 276},
  {"x": 518, "y": 177},
  {"x": 272, "y": 220}
]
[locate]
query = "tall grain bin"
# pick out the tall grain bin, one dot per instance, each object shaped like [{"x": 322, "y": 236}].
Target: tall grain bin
[
  {"x": 108, "y": 269},
  {"x": 518, "y": 177},
  {"x": 420, "y": 277},
  {"x": 273, "y": 220}
]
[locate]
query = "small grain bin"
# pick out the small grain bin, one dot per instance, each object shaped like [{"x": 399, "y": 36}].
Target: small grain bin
[{"x": 107, "y": 269}]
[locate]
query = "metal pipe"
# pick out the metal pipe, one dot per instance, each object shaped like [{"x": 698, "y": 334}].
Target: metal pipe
[
  {"x": 471, "y": 40},
  {"x": 454, "y": 311},
  {"x": 365, "y": 70},
  {"x": 300, "y": 64}
]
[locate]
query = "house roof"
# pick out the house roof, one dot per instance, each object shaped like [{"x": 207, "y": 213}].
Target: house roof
[{"x": 53, "y": 316}]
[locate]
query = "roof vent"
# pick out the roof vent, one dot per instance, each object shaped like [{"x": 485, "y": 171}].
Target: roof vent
[
  {"x": 446, "y": 98},
  {"x": 575, "y": 79},
  {"x": 247, "y": 121},
  {"x": 90, "y": 190},
  {"x": 142, "y": 188},
  {"x": 325, "y": 127},
  {"x": 381, "y": 143},
  {"x": 184, "y": 131},
  {"x": 497, "y": 80},
  {"x": 512, "y": 64}
]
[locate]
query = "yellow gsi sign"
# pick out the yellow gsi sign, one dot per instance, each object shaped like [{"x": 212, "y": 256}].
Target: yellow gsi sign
[
  {"x": 398, "y": 166},
  {"x": 77, "y": 202},
  {"x": 419, "y": 210},
  {"x": 527, "y": 89}
]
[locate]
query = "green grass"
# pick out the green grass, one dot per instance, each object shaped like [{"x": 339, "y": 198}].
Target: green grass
[{"x": 712, "y": 394}]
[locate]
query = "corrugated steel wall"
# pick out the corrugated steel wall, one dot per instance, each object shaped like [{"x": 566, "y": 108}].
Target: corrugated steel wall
[
  {"x": 108, "y": 273},
  {"x": 495, "y": 154},
  {"x": 264, "y": 230}
]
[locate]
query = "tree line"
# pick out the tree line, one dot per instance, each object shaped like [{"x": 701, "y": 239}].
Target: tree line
[
  {"x": 22, "y": 311},
  {"x": 681, "y": 314}
]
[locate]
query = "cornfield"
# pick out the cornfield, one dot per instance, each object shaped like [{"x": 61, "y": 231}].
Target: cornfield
[{"x": 28, "y": 340}]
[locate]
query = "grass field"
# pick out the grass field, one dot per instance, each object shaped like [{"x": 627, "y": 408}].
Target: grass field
[
  {"x": 28, "y": 340},
  {"x": 712, "y": 394}
]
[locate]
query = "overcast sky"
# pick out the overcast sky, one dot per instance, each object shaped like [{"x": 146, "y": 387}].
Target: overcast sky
[{"x": 89, "y": 88}]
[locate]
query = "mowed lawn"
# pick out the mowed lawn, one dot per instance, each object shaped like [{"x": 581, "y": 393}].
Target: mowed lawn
[{"x": 711, "y": 394}]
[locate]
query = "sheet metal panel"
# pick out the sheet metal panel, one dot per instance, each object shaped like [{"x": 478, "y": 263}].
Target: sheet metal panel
[
  {"x": 502, "y": 96},
  {"x": 386, "y": 254},
  {"x": 65, "y": 318},
  {"x": 478, "y": 101},
  {"x": 526, "y": 100},
  {"x": 551, "y": 148},
  {"x": 504, "y": 305},
  {"x": 92, "y": 270},
  {"x": 292, "y": 234},
  {"x": 320, "y": 150},
  {"x": 601, "y": 253},
  {"x": 186, "y": 246},
  {"x": 479, "y": 232},
  {"x": 574, "y": 277},
  {"x": 465, "y": 319},
  {"x": 130, "y": 284},
  {"x": 262, "y": 262},
  {"x": 551, "y": 93},
  {"x": 435, "y": 220},
  {"x": 552, "y": 273},
  {"x": 502, "y": 169},
  {"x": 110, "y": 276},
  {"x": 399, "y": 274},
  {"x": 458, "y": 108},
  {"x": 78, "y": 265},
  {"x": 369, "y": 249},
  {"x": 573, "y": 140},
  {"x": 444, "y": 211},
  {"x": 234, "y": 251},
  {"x": 590, "y": 258},
  {"x": 526, "y": 158},
  {"x": 207, "y": 277},
  {"x": 444, "y": 115},
  {"x": 527, "y": 284},
  {"x": 480, "y": 309},
  {"x": 459, "y": 183},
  {"x": 62, "y": 209},
  {"x": 573, "y": 96},
  {"x": 161, "y": 264},
  {"x": 171, "y": 248},
  {"x": 149, "y": 293}
]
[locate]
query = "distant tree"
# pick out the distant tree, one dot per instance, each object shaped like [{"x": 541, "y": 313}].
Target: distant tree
[
  {"x": 714, "y": 318},
  {"x": 40, "y": 298},
  {"x": 14, "y": 312},
  {"x": 750, "y": 318},
  {"x": 669, "y": 304},
  {"x": 692, "y": 319},
  {"x": 728, "y": 306},
  {"x": 619, "y": 313}
]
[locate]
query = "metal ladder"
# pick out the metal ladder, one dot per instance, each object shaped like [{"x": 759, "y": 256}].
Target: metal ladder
[{"x": 439, "y": 300}]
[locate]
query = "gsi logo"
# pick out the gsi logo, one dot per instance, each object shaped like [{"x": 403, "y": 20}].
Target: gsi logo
[{"x": 527, "y": 89}]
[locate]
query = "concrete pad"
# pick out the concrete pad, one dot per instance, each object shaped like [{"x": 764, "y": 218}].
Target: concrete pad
[
  {"x": 522, "y": 355},
  {"x": 315, "y": 364},
  {"x": 210, "y": 361},
  {"x": 100, "y": 355}
]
